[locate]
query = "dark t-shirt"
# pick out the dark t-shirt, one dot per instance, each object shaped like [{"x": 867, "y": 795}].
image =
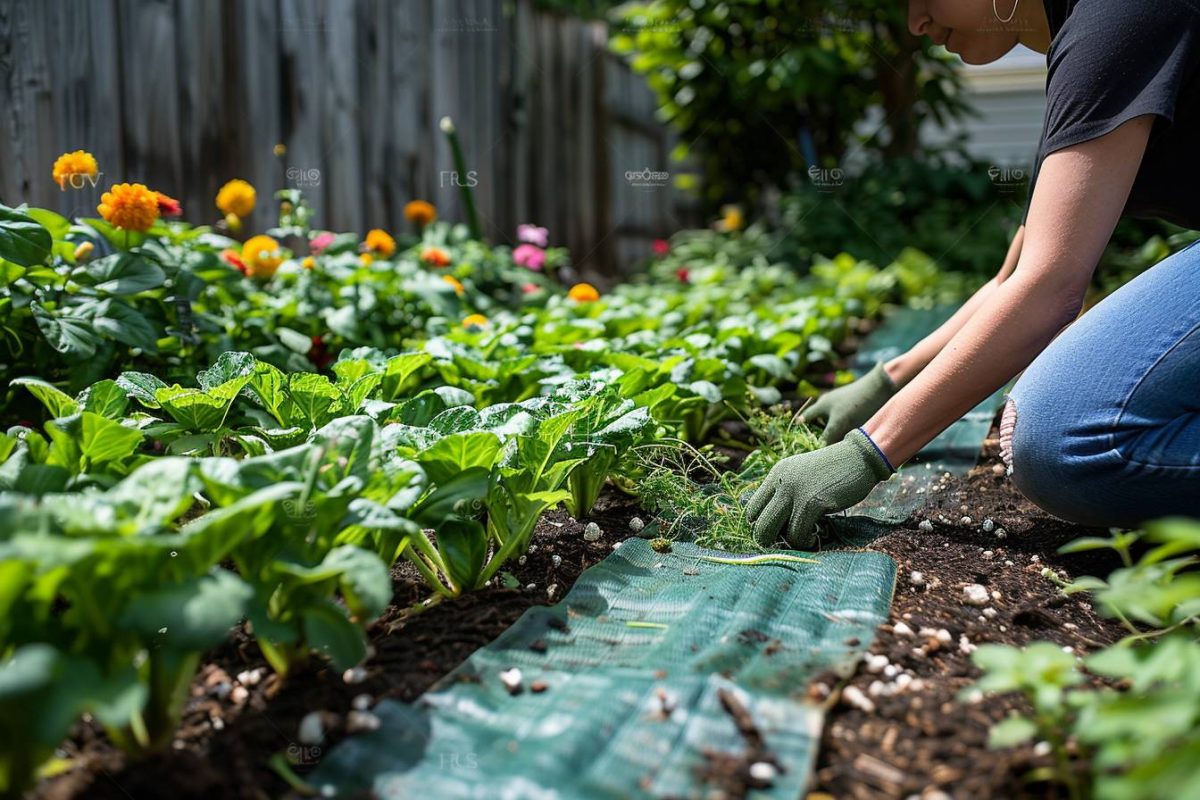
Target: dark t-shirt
[{"x": 1113, "y": 60}]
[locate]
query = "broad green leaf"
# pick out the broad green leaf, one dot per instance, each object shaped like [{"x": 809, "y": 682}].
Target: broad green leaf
[
  {"x": 106, "y": 440},
  {"x": 23, "y": 240},
  {"x": 365, "y": 581},
  {"x": 460, "y": 496},
  {"x": 231, "y": 366},
  {"x": 105, "y": 398},
  {"x": 329, "y": 632},
  {"x": 398, "y": 370},
  {"x": 463, "y": 544},
  {"x": 452, "y": 455},
  {"x": 316, "y": 399},
  {"x": 1011, "y": 732},
  {"x": 193, "y": 615},
  {"x": 141, "y": 387},
  {"x": 122, "y": 322},
  {"x": 125, "y": 273},
  {"x": 70, "y": 335},
  {"x": 156, "y": 493},
  {"x": 56, "y": 401},
  {"x": 196, "y": 409}
]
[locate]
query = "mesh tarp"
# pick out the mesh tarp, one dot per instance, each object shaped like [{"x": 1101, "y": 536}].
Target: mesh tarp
[{"x": 639, "y": 627}]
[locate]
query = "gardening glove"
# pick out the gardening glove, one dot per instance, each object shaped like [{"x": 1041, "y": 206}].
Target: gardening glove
[
  {"x": 849, "y": 406},
  {"x": 800, "y": 489}
]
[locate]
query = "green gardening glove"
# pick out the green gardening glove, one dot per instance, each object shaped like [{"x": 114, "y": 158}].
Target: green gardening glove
[
  {"x": 800, "y": 489},
  {"x": 849, "y": 406}
]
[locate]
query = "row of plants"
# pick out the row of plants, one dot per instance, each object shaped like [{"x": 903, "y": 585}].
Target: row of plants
[
  {"x": 1134, "y": 732},
  {"x": 207, "y": 427}
]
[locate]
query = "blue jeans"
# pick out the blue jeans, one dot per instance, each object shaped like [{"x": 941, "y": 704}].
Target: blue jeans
[{"x": 1103, "y": 428}]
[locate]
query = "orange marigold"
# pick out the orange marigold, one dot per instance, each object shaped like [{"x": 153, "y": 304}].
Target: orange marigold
[
  {"x": 367, "y": 259},
  {"x": 129, "y": 206},
  {"x": 475, "y": 321},
  {"x": 237, "y": 197},
  {"x": 72, "y": 167},
  {"x": 455, "y": 282},
  {"x": 583, "y": 293},
  {"x": 262, "y": 256},
  {"x": 420, "y": 212},
  {"x": 380, "y": 242},
  {"x": 436, "y": 256}
]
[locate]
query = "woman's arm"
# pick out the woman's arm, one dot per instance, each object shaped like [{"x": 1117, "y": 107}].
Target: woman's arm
[
  {"x": 1079, "y": 196},
  {"x": 904, "y": 368}
]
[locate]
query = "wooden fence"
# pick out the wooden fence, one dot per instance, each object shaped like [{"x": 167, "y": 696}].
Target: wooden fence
[{"x": 185, "y": 94}]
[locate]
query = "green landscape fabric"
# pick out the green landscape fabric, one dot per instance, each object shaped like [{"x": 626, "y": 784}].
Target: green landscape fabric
[
  {"x": 640, "y": 626},
  {"x": 956, "y": 450}
]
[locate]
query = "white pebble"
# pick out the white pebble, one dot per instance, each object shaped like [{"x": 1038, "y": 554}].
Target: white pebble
[
  {"x": 1008, "y": 563},
  {"x": 988, "y": 554},
  {"x": 556, "y": 560},
  {"x": 636, "y": 525},
  {"x": 1042, "y": 749},
  {"x": 875, "y": 689},
  {"x": 917, "y": 578},
  {"x": 890, "y": 671},
  {"x": 354, "y": 675},
  {"x": 965, "y": 645},
  {"x": 221, "y": 690},
  {"x": 876, "y": 662},
  {"x": 853, "y": 696},
  {"x": 361, "y": 702},
  {"x": 900, "y": 629},
  {"x": 990, "y": 612},
  {"x": 591, "y": 532},
  {"x": 988, "y": 526},
  {"x": 511, "y": 678},
  {"x": 239, "y": 695},
  {"x": 530, "y": 587},
  {"x": 965, "y": 521},
  {"x": 551, "y": 589},
  {"x": 358, "y": 721},
  {"x": 250, "y": 677},
  {"x": 975, "y": 595},
  {"x": 763, "y": 772},
  {"x": 944, "y": 637},
  {"x": 312, "y": 729},
  {"x": 1035, "y": 558},
  {"x": 1001, "y": 533},
  {"x": 521, "y": 560},
  {"x": 903, "y": 680},
  {"x": 925, "y": 525}
]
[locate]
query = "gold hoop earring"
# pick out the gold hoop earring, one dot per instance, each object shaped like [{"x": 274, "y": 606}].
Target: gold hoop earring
[{"x": 996, "y": 11}]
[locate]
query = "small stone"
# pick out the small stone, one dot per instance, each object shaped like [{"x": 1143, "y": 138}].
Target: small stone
[
  {"x": 763, "y": 772},
  {"x": 975, "y": 595},
  {"x": 965, "y": 521},
  {"x": 1035, "y": 558},
  {"x": 358, "y": 721},
  {"x": 998, "y": 470},
  {"x": 361, "y": 702},
  {"x": 522, "y": 560},
  {"x": 903, "y": 680},
  {"x": 943, "y": 636},
  {"x": 875, "y": 689},
  {"x": 1008, "y": 563},
  {"x": 250, "y": 677},
  {"x": 1001, "y": 533},
  {"x": 965, "y": 645},
  {"x": 988, "y": 526},
  {"x": 876, "y": 662},
  {"x": 854, "y": 697},
  {"x": 551, "y": 589},
  {"x": 1042, "y": 749},
  {"x": 890, "y": 671},
  {"x": 591, "y": 532},
  {"x": 531, "y": 587},
  {"x": 312, "y": 728},
  {"x": 900, "y": 629},
  {"x": 239, "y": 695},
  {"x": 354, "y": 675},
  {"x": 925, "y": 525},
  {"x": 917, "y": 578},
  {"x": 990, "y": 612},
  {"x": 221, "y": 690},
  {"x": 556, "y": 560},
  {"x": 636, "y": 525},
  {"x": 511, "y": 678},
  {"x": 537, "y": 687},
  {"x": 988, "y": 554}
]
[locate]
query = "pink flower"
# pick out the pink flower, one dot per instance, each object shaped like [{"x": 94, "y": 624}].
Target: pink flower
[
  {"x": 530, "y": 288},
  {"x": 319, "y": 242},
  {"x": 661, "y": 247},
  {"x": 530, "y": 257},
  {"x": 532, "y": 234}
]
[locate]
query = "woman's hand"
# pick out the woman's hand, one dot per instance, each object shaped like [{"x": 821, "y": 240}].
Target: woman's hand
[
  {"x": 849, "y": 406},
  {"x": 800, "y": 489}
]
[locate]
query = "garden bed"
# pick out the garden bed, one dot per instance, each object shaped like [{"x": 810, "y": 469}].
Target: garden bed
[{"x": 919, "y": 740}]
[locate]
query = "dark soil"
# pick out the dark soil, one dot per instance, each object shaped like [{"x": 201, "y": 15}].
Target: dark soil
[{"x": 923, "y": 741}]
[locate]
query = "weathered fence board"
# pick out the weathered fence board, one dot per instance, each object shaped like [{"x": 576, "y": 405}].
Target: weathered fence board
[{"x": 186, "y": 94}]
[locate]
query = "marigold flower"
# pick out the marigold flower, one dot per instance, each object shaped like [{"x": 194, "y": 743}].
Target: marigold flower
[
  {"x": 420, "y": 212},
  {"x": 262, "y": 256},
  {"x": 234, "y": 222},
  {"x": 318, "y": 243},
  {"x": 436, "y": 256},
  {"x": 583, "y": 293},
  {"x": 84, "y": 251},
  {"x": 234, "y": 260},
  {"x": 731, "y": 219},
  {"x": 530, "y": 257},
  {"x": 237, "y": 197},
  {"x": 129, "y": 206},
  {"x": 661, "y": 247},
  {"x": 168, "y": 206},
  {"x": 532, "y": 234},
  {"x": 309, "y": 262},
  {"x": 367, "y": 259},
  {"x": 475, "y": 321},
  {"x": 380, "y": 242},
  {"x": 455, "y": 282},
  {"x": 68, "y": 166}
]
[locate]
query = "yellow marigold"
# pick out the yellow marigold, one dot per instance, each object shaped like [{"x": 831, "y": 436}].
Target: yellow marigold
[
  {"x": 731, "y": 219},
  {"x": 380, "y": 242},
  {"x": 420, "y": 212},
  {"x": 436, "y": 256},
  {"x": 583, "y": 293},
  {"x": 129, "y": 206},
  {"x": 367, "y": 259},
  {"x": 237, "y": 197},
  {"x": 262, "y": 256},
  {"x": 475, "y": 321},
  {"x": 309, "y": 262},
  {"x": 69, "y": 165},
  {"x": 455, "y": 282}
]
